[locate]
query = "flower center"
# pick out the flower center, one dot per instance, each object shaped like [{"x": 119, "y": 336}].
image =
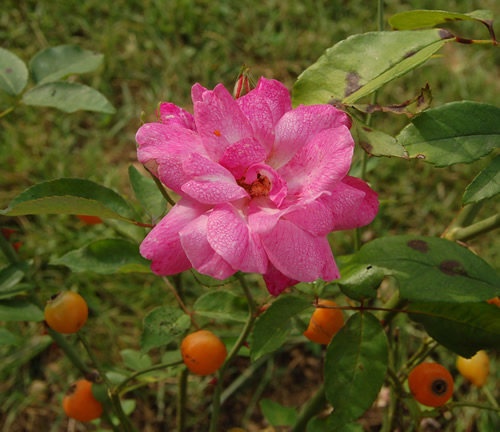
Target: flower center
[{"x": 259, "y": 187}]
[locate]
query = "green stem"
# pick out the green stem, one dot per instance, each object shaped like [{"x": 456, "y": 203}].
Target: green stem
[
  {"x": 161, "y": 188},
  {"x": 464, "y": 218},
  {"x": 310, "y": 409},
  {"x": 490, "y": 397},
  {"x": 452, "y": 405},
  {"x": 7, "y": 111},
  {"x": 181, "y": 400},
  {"x": 216, "y": 404},
  {"x": 481, "y": 227}
]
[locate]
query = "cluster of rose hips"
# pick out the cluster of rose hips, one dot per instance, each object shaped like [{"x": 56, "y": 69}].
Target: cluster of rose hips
[{"x": 204, "y": 353}]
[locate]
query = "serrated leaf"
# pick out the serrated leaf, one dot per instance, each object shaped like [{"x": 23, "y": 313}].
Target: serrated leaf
[
  {"x": 19, "y": 310},
  {"x": 13, "y": 73},
  {"x": 272, "y": 327},
  {"x": 355, "y": 367},
  {"x": 277, "y": 414},
  {"x": 457, "y": 132},
  {"x": 57, "y": 62},
  {"x": 421, "y": 18},
  {"x": 162, "y": 326},
  {"x": 106, "y": 256},
  {"x": 430, "y": 268},
  {"x": 361, "y": 64},
  {"x": 68, "y": 97},
  {"x": 221, "y": 305},
  {"x": 378, "y": 143},
  {"x": 70, "y": 196},
  {"x": 147, "y": 193},
  {"x": 463, "y": 328},
  {"x": 485, "y": 185}
]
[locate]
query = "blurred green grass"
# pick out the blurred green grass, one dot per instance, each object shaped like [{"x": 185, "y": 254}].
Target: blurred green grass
[{"x": 155, "y": 50}]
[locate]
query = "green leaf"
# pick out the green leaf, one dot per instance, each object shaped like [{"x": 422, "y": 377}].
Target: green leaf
[
  {"x": 13, "y": 73},
  {"x": 70, "y": 196},
  {"x": 68, "y": 97},
  {"x": 19, "y": 310},
  {"x": 361, "y": 64},
  {"x": 106, "y": 256},
  {"x": 485, "y": 185},
  {"x": 10, "y": 277},
  {"x": 421, "y": 18},
  {"x": 9, "y": 338},
  {"x": 162, "y": 326},
  {"x": 221, "y": 305},
  {"x": 377, "y": 143},
  {"x": 457, "y": 132},
  {"x": 360, "y": 281},
  {"x": 322, "y": 424},
  {"x": 431, "y": 269},
  {"x": 355, "y": 367},
  {"x": 135, "y": 360},
  {"x": 54, "y": 63},
  {"x": 273, "y": 326},
  {"x": 463, "y": 328},
  {"x": 277, "y": 414},
  {"x": 147, "y": 193}
]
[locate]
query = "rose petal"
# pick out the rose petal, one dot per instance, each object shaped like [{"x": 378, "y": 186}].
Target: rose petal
[
  {"x": 162, "y": 245},
  {"x": 298, "y": 254},
  {"x": 228, "y": 234},
  {"x": 171, "y": 114},
  {"x": 352, "y": 204},
  {"x": 320, "y": 164},
  {"x": 298, "y": 126},
  {"x": 201, "y": 255},
  {"x": 277, "y": 282},
  {"x": 239, "y": 156}
]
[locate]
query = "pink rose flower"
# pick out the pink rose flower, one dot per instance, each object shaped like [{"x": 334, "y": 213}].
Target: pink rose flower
[{"x": 260, "y": 185}]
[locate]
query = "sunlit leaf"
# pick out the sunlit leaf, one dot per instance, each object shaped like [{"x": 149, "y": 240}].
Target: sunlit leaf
[
  {"x": 13, "y": 73},
  {"x": 361, "y": 64},
  {"x": 273, "y": 326},
  {"x": 70, "y": 196},
  {"x": 457, "y": 132},
  {"x": 463, "y": 328},
  {"x": 431, "y": 268},
  {"x": 135, "y": 360},
  {"x": 277, "y": 414},
  {"x": 485, "y": 185},
  {"x": 355, "y": 367},
  {"x": 68, "y": 97},
  {"x": 106, "y": 256},
  {"x": 359, "y": 281},
  {"x": 421, "y": 18},
  {"x": 54, "y": 63}
]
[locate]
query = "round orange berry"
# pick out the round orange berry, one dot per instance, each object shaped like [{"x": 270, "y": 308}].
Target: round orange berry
[
  {"x": 80, "y": 403},
  {"x": 325, "y": 322},
  {"x": 431, "y": 384},
  {"x": 203, "y": 352},
  {"x": 66, "y": 312}
]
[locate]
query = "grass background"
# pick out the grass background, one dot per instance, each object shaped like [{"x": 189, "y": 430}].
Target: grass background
[{"x": 155, "y": 50}]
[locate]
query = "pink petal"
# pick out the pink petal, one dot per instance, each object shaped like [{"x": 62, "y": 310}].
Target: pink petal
[
  {"x": 352, "y": 204},
  {"x": 171, "y": 114},
  {"x": 240, "y": 155},
  {"x": 164, "y": 148},
  {"x": 277, "y": 282},
  {"x": 314, "y": 216},
  {"x": 321, "y": 163},
  {"x": 228, "y": 234},
  {"x": 219, "y": 120},
  {"x": 298, "y": 254},
  {"x": 264, "y": 106},
  {"x": 201, "y": 255},
  {"x": 210, "y": 183},
  {"x": 162, "y": 245},
  {"x": 298, "y": 126}
]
